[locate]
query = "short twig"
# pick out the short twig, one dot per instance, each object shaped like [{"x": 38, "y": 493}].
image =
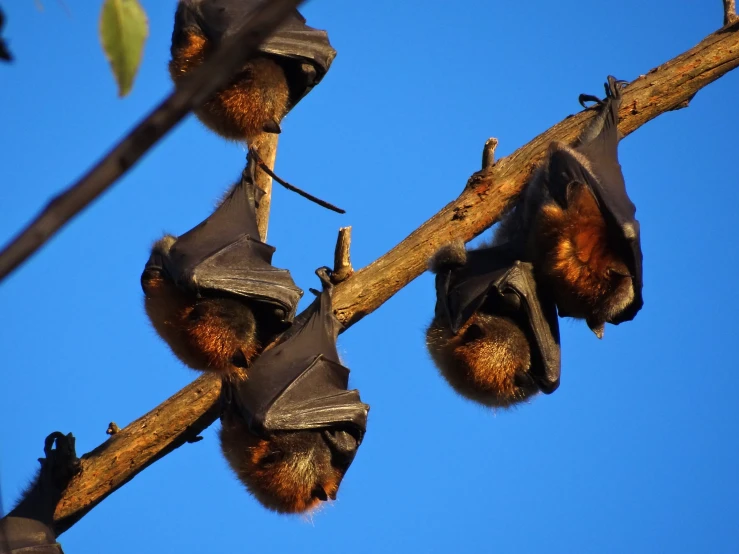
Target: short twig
[
  {"x": 488, "y": 153},
  {"x": 730, "y": 15},
  {"x": 342, "y": 260},
  {"x": 264, "y": 167}
]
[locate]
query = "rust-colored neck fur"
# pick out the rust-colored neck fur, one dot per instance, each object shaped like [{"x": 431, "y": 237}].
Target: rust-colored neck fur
[
  {"x": 257, "y": 97},
  {"x": 575, "y": 260}
]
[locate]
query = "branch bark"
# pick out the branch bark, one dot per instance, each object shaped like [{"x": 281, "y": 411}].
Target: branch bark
[
  {"x": 487, "y": 193},
  {"x": 342, "y": 257},
  {"x": 266, "y": 147},
  {"x": 208, "y": 78}
]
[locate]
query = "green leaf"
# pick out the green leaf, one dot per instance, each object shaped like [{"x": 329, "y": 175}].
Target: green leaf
[{"x": 123, "y": 31}]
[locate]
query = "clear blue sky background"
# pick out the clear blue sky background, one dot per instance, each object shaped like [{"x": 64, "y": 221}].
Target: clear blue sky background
[{"x": 637, "y": 450}]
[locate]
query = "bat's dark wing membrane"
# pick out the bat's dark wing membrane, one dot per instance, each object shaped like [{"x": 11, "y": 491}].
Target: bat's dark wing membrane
[
  {"x": 305, "y": 52},
  {"x": 542, "y": 320},
  {"x": 506, "y": 287},
  {"x": 300, "y": 384},
  {"x": 27, "y": 536},
  {"x": 596, "y": 165},
  {"x": 223, "y": 255}
]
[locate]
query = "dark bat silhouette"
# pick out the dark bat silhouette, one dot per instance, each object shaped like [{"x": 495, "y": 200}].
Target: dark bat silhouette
[
  {"x": 577, "y": 224},
  {"x": 291, "y": 62},
  {"x": 212, "y": 294},
  {"x": 4, "y": 52},
  {"x": 29, "y": 527},
  {"x": 291, "y": 430},
  {"x": 494, "y": 337}
]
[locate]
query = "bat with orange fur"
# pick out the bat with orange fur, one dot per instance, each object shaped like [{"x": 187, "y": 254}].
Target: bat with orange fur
[
  {"x": 291, "y": 429},
  {"x": 494, "y": 336},
  {"x": 576, "y": 223},
  {"x": 29, "y": 527},
  {"x": 212, "y": 294},
  {"x": 290, "y": 63}
]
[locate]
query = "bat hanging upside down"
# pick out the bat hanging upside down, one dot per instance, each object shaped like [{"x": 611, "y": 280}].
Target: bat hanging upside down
[
  {"x": 290, "y": 63},
  {"x": 291, "y": 429},
  {"x": 576, "y": 224},
  {"x": 494, "y": 339},
  {"x": 212, "y": 294}
]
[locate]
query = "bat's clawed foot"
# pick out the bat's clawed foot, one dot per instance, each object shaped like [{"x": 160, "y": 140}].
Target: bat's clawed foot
[
  {"x": 324, "y": 274},
  {"x": 613, "y": 89},
  {"x": 584, "y": 98},
  {"x": 60, "y": 459}
]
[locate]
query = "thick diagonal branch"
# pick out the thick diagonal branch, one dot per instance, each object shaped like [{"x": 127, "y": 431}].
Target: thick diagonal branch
[
  {"x": 205, "y": 80},
  {"x": 483, "y": 200}
]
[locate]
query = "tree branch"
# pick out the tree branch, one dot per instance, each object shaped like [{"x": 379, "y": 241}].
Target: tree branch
[
  {"x": 481, "y": 203},
  {"x": 342, "y": 258},
  {"x": 205, "y": 80},
  {"x": 266, "y": 147}
]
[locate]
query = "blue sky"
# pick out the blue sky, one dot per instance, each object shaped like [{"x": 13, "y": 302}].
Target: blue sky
[{"x": 637, "y": 450}]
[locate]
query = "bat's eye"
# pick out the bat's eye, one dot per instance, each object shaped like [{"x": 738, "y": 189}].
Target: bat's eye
[
  {"x": 270, "y": 459},
  {"x": 614, "y": 272}
]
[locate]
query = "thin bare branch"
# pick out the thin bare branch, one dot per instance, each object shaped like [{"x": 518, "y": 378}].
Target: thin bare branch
[
  {"x": 208, "y": 78},
  {"x": 342, "y": 261},
  {"x": 266, "y": 147},
  {"x": 487, "y": 194}
]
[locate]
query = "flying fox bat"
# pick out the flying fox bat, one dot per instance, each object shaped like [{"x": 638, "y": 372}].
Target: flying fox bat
[
  {"x": 577, "y": 224},
  {"x": 29, "y": 527},
  {"x": 291, "y": 430},
  {"x": 290, "y": 63},
  {"x": 494, "y": 336},
  {"x": 212, "y": 294}
]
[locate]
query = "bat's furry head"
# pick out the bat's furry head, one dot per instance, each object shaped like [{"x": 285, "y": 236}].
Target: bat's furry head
[
  {"x": 449, "y": 256},
  {"x": 288, "y": 472},
  {"x": 488, "y": 360},
  {"x": 207, "y": 334}
]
